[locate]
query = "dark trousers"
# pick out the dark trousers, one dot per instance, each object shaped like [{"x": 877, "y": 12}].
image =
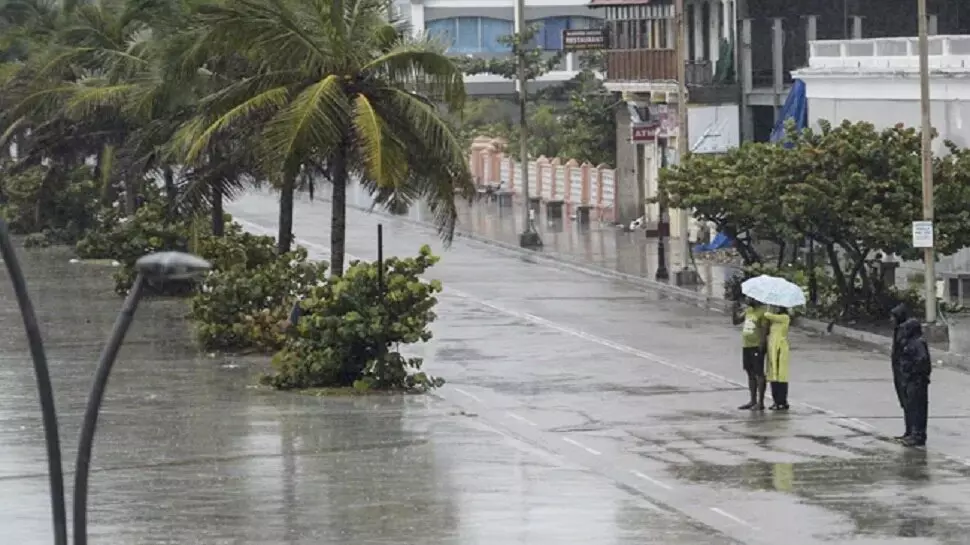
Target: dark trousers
[
  {"x": 916, "y": 407},
  {"x": 779, "y": 392},
  {"x": 900, "y": 386}
]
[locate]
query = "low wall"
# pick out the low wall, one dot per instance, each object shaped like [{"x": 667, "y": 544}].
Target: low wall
[{"x": 572, "y": 183}]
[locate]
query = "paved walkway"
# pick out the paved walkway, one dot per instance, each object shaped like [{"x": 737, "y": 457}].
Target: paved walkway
[{"x": 641, "y": 392}]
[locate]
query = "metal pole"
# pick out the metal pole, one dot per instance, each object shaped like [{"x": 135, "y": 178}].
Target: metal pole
[
  {"x": 45, "y": 390},
  {"x": 683, "y": 145},
  {"x": 663, "y": 226},
  {"x": 927, "y": 158},
  {"x": 85, "y": 445},
  {"x": 529, "y": 237},
  {"x": 380, "y": 259}
]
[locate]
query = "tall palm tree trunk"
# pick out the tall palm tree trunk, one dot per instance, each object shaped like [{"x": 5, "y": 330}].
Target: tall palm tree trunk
[
  {"x": 131, "y": 197},
  {"x": 285, "y": 237},
  {"x": 171, "y": 193},
  {"x": 218, "y": 212},
  {"x": 338, "y": 213}
]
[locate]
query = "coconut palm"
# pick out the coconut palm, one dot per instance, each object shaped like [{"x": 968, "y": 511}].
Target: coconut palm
[{"x": 337, "y": 87}]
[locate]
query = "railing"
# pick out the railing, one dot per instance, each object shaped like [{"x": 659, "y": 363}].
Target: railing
[
  {"x": 700, "y": 73},
  {"x": 641, "y": 64},
  {"x": 946, "y": 52},
  {"x": 575, "y": 185}
]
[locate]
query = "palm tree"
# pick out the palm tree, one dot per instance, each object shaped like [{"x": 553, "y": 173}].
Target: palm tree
[{"x": 337, "y": 87}]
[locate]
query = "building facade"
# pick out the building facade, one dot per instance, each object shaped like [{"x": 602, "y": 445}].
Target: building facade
[
  {"x": 475, "y": 27},
  {"x": 740, "y": 58}
]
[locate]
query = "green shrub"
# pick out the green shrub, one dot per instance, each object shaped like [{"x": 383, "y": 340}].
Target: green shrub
[
  {"x": 237, "y": 249},
  {"x": 125, "y": 239},
  {"x": 61, "y": 204},
  {"x": 241, "y": 307},
  {"x": 37, "y": 240},
  {"x": 349, "y": 327}
]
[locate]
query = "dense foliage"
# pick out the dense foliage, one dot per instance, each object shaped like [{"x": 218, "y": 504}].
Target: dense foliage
[
  {"x": 243, "y": 303},
  {"x": 351, "y": 327},
  {"x": 57, "y": 206},
  {"x": 572, "y": 120},
  {"x": 205, "y": 97},
  {"x": 852, "y": 189}
]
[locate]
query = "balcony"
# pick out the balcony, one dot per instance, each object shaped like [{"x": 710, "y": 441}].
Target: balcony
[
  {"x": 659, "y": 66},
  {"x": 636, "y": 65},
  {"x": 703, "y": 88}
]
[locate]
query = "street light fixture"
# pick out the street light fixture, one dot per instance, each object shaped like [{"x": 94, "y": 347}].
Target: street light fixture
[{"x": 156, "y": 266}]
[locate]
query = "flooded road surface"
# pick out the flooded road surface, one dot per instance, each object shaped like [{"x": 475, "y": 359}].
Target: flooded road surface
[
  {"x": 641, "y": 394},
  {"x": 189, "y": 453}
]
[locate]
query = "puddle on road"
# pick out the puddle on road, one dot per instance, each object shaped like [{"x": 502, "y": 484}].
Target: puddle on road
[{"x": 881, "y": 491}]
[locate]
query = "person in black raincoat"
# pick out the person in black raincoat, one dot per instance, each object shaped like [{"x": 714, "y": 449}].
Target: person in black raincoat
[
  {"x": 915, "y": 366},
  {"x": 899, "y": 314}
]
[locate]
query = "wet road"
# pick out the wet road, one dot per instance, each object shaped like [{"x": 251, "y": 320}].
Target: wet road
[
  {"x": 189, "y": 453},
  {"x": 641, "y": 392}
]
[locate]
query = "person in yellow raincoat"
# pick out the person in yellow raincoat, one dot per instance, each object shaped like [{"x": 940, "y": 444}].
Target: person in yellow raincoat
[{"x": 776, "y": 362}]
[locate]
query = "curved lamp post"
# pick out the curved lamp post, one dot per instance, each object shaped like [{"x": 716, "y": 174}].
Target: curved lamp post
[
  {"x": 157, "y": 266},
  {"x": 44, "y": 389}
]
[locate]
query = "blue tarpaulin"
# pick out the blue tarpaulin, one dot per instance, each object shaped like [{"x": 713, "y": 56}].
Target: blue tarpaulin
[
  {"x": 719, "y": 242},
  {"x": 796, "y": 107}
]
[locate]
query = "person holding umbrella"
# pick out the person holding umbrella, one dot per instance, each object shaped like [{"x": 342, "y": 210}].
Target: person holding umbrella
[
  {"x": 777, "y": 357},
  {"x": 782, "y": 295}
]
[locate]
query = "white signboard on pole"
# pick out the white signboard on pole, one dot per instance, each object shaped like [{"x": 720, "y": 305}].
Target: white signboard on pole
[{"x": 922, "y": 234}]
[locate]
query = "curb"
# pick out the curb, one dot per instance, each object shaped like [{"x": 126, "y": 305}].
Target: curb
[{"x": 881, "y": 343}]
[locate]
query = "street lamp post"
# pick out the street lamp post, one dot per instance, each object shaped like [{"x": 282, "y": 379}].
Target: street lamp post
[
  {"x": 663, "y": 226},
  {"x": 683, "y": 146},
  {"x": 529, "y": 238},
  {"x": 156, "y": 266},
  {"x": 45, "y": 390},
  {"x": 926, "y": 157}
]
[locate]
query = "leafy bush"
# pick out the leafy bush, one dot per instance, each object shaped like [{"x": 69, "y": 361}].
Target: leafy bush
[
  {"x": 60, "y": 204},
  {"x": 125, "y": 239},
  {"x": 350, "y": 325},
  {"x": 241, "y": 307},
  {"x": 237, "y": 248}
]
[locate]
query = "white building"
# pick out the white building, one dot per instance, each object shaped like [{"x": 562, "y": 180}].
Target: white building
[
  {"x": 474, "y": 27},
  {"x": 877, "y": 80}
]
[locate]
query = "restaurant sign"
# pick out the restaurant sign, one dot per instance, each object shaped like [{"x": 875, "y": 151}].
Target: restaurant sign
[{"x": 583, "y": 39}]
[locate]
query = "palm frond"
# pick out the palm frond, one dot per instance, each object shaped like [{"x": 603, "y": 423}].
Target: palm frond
[
  {"x": 197, "y": 141},
  {"x": 420, "y": 65},
  {"x": 317, "y": 118}
]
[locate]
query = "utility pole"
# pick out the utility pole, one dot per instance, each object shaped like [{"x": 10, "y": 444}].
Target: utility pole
[
  {"x": 683, "y": 144},
  {"x": 663, "y": 226},
  {"x": 529, "y": 238},
  {"x": 927, "y": 158}
]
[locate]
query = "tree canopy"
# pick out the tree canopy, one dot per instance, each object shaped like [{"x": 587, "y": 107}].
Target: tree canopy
[{"x": 851, "y": 188}]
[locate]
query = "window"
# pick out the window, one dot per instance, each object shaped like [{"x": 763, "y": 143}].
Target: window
[{"x": 471, "y": 34}]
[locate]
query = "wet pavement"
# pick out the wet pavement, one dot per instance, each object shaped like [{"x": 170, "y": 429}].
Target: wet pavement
[
  {"x": 600, "y": 244},
  {"x": 639, "y": 393},
  {"x": 189, "y": 453}
]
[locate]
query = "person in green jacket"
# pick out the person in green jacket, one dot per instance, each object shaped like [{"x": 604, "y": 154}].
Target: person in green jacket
[
  {"x": 754, "y": 333},
  {"x": 777, "y": 357}
]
